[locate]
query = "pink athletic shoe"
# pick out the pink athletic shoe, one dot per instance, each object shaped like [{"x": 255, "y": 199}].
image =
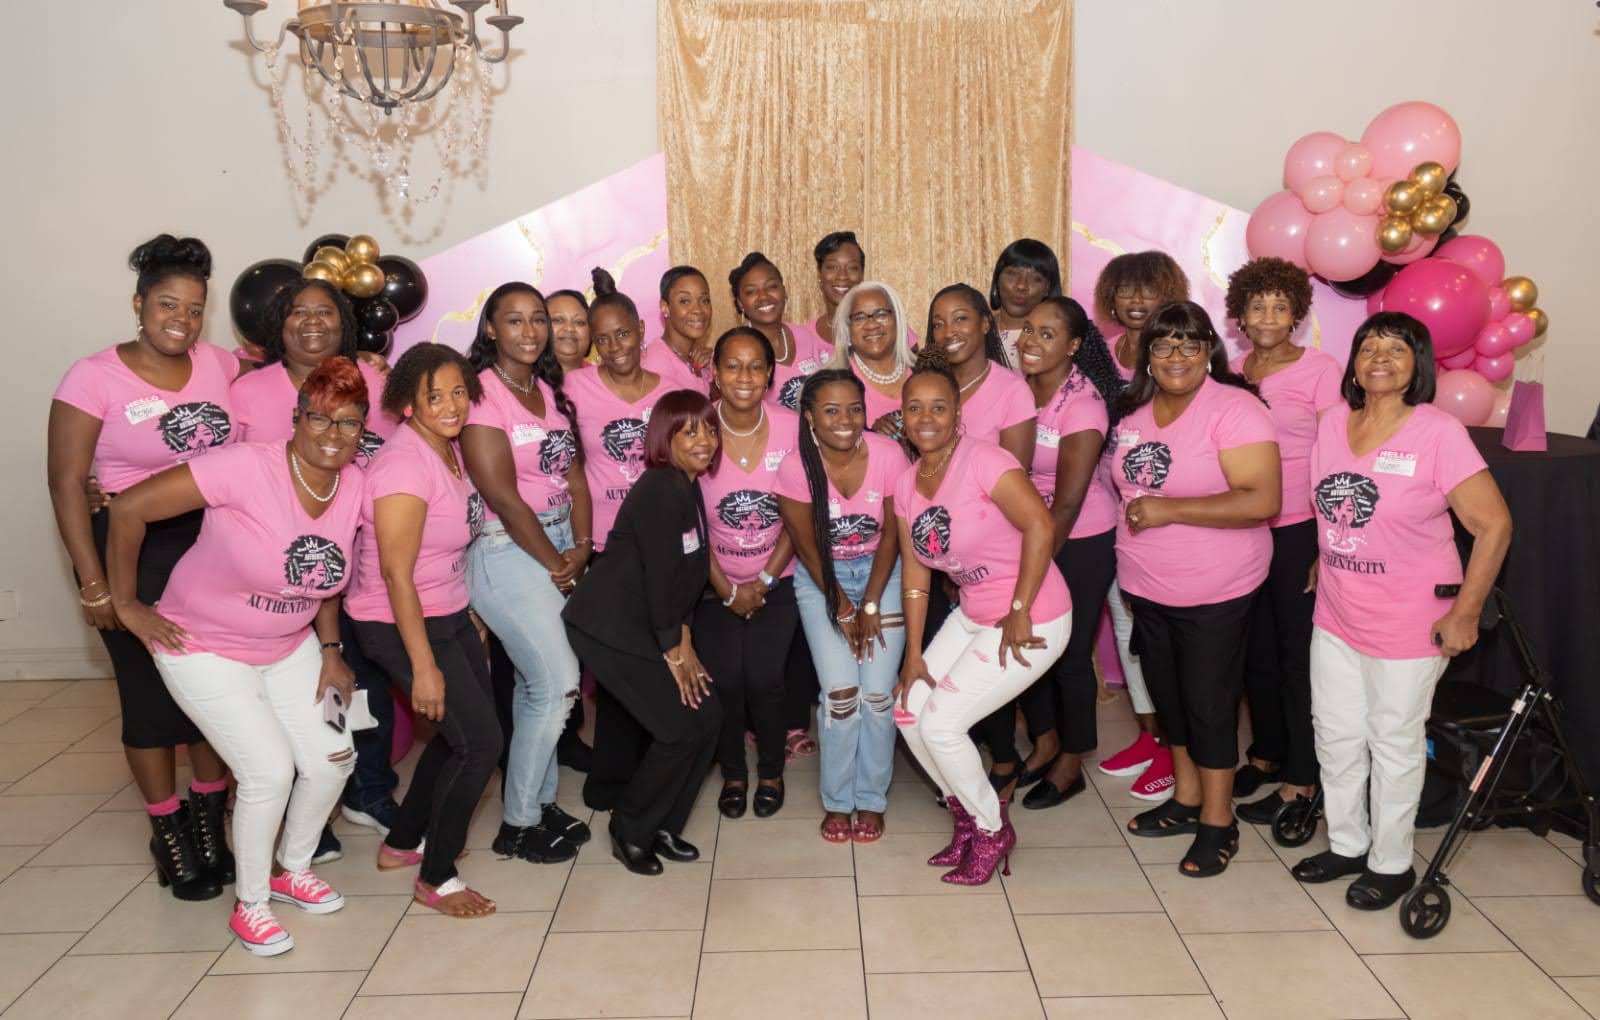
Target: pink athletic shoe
[
  {"x": 306, "y": 891},
  {"x": 1133, "y": 759},
  {"x": 258, "y": 931},
  {"x": 1157, "y": 782}
]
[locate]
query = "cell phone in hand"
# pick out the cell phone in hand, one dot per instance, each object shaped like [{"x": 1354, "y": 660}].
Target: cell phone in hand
[{"x": 333, "y": 709}]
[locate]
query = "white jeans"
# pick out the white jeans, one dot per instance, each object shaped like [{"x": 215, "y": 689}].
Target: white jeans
[
  {"x": 1132, "y": 673},
  {"x": 963, "y": 659},
  {"x": 1368, "y": 714},
  {"x": 267, "y": 725}
]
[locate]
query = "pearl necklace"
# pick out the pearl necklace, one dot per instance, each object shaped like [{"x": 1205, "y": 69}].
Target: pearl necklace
[
  {"x": 513, "y": 384},
  {"x": 878, "y": 377},
  {"x": 729, "y": 430},
  {"x": 294, "y": 463}
]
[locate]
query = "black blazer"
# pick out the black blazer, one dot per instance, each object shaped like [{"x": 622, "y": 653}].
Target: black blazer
[{"x": 640, "y": 592}]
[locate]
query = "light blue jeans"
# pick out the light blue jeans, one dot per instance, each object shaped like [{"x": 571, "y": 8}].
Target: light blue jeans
[
  {"x": 513, "y": 594},
  {"x": 856, "y": 735}
]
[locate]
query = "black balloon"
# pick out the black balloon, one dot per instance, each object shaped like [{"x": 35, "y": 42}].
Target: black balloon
[
  {"x": 375, "y": 340},
  {"x": 253, "y": 291},
  {"x": 325, "y": 241},
  {"x": 404, "y": 285},
  {"x": 1463, "y": 203},
  {"x": 377, "y": 314},
  {"x": 1368, "y": 283}
]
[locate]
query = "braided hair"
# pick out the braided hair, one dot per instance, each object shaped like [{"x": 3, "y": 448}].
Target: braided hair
[
  {"x": 817, "y": 479},
  {"x": 1093, "y": 360}
]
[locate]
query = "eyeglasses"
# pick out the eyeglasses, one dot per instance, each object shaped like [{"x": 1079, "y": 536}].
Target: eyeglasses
[
  {"x": 320, "y": 423},
  {"x": 1167, "y": 348},
  {"x": 882, "y": 317},
  {"x": 1128, "y": 293}
]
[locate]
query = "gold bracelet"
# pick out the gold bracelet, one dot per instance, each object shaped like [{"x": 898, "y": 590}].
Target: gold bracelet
[
  {"x": 913, "y": 593},
  {"x": 91, "y": 584},
  {"x": 95, "y": 603}
]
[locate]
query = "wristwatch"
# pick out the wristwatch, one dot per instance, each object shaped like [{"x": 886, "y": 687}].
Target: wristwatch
[
  {"x": 1016, "y": 605},
  {"x": 870, "y": 608},
  {"x": 766, "y": 579}
]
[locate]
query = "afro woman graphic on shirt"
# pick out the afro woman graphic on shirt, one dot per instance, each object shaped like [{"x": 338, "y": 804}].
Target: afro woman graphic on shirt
[
  {"x": 930, "y": 534},
  {"x": 624, "y": 443},
  {"x": 313, "y": 566},
  {"x": 1347, "y": 501},
  {"x": 190, "y": 429},
  {"x": 1147, "y": 465},
  {"x": 751, "y": 513}
]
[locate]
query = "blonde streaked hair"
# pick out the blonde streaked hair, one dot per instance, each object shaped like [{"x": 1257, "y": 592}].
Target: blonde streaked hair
[{"x": 841, "y": 325}]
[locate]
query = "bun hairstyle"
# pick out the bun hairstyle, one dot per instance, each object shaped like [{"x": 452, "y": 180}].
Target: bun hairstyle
[
  {"x": 606, "y": 295},
  {"x": 933, "y": 361},
  {"x": 817, "y": 478},
  {"x": 165, "y": 256},
  {"x": 737, "y": 274}
]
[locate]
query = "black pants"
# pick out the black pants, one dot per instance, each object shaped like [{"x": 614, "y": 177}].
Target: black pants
[
  {"x": 374, "y": 778},
  {"x": 800, "y": 686},
  {"x": 1277, "y": 676},
  {"x": 455, "y": 766},
  {"x": 747, "y": 660},
  {"x": 683, "y": 738},
  {"x": 1193, "y": 659},
  {"x": 150, "y": 718},
  {"x": 619, "y": 746}
]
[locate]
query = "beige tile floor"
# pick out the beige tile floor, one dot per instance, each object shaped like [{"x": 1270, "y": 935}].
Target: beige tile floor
[{"x": 773, "y": 923}]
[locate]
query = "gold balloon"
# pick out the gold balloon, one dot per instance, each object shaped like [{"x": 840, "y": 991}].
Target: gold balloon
[
  {"x": 1435, "y": 215},
  {"x": 1403, "y": 197},
  {"x": 1522, "y": 292},
  {"x": 320, "y": 270},
  {"x": 1541, "y": 321},
  {"x": 334, "y": 257},
  {"x": 1394, "y": 233},
  {"x": 361, "y": 248},
  {"x": 1430, "y": 177},
  {"x": 362, "y": 280}
]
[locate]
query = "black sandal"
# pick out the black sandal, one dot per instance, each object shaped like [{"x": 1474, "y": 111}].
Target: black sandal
[
  {"x": 1328, "y": 866},
  {"x": 1169, "y": 818},
  {"x": 732, "y": 802},
  {"x": 1213, "y": 847},
  {"x": 1373, "y": 891},
  {"x": 1251, "y": 778},
  {"x": 768, "y": 799}
]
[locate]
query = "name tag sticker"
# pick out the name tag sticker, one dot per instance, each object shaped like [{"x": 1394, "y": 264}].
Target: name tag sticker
[
  {"x": 137, "y": 411},
  {"x": 1127, "y": 438},
  {"x": 1049, "y": 437},
  {"x": 1395, "y": 462},
  {"x": 691, "y": 542},
  {"x": 773, "y": 460},
  {"x": 873, "y": 496},
  {"x": 834, "y": 509},
  {"x": 527, "y": 432}
]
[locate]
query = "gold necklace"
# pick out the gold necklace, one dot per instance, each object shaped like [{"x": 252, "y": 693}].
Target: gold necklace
[{"x": 948, "y": 453}]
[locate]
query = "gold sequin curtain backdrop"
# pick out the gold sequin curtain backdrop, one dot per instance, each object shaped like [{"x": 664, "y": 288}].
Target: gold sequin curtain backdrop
[{"x": 938, "y": 130}]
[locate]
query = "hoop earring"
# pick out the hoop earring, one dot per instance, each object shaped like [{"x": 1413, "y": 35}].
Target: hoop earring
[
  {"x": 1208, "y": 368},
  {"x": 1149, "y": 371}
]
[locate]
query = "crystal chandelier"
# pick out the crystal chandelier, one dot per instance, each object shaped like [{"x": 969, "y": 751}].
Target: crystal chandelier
[{"x": 392, "y": 59}]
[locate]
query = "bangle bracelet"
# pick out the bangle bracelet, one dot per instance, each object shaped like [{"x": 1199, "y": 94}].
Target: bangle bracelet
[
  {"x": 733, "y": 593},
  {"x": 670, "y": 660},
  {"x": 95, "y": 603},
  {"x": 913, "y": 593},
  {"x": 846, "y": 619},
  {"x": 91, "y": 584},
  {"x": 583, "y": 541}
]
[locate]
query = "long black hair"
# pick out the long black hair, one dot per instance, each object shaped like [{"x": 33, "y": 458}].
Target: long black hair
[
  {"x": 277, "y": 314},
  {"x": 992, "y": 348},
  {"x": 1180, "y": 320},
  {"x": 484, "y": 351},
  {"x": 817, "y": 480}
]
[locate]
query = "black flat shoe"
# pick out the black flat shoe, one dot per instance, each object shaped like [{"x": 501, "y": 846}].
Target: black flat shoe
[
  {"x": 1263, "y": 811},
  {"x": 1249, "y": 779},
  {"x": 636, "y": 859},
  {"x": 1328, "y": 866},
  {"x": 768, "y": 800},
  {"x": 675, "y": 848},
  {"x": 1169, "y": 818},
  {"x": 1373, "y": 891},
  {"x": 733, "y": 800},
  {"x": 1046, "y": 795},
  {"x": 1027, "y": 776}
]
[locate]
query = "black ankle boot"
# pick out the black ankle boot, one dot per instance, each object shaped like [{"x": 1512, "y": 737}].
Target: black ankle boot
[
  {"x": 178, "y": 861},
  {"x": 211, "y": 833}
]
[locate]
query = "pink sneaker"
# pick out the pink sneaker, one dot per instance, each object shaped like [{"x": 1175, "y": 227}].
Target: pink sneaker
[
  {"x": 1133, "y": 759},
  {"x": 1157, "y": 781},
  {"x": 306, "y": 891},
  {"x": 258, "y": 931}
]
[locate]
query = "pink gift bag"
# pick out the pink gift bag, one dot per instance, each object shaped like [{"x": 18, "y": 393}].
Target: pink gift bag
[{"x": 1525, "y": 418}]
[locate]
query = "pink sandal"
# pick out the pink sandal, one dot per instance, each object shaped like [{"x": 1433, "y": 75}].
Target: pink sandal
[
  {"x": 434, "y": 898},
  {"x": 798, "y": 744},
  {"x": 836, "y": 828},
  {"x": 390, "y": 859},
  {"x": 864, "y": 832}
]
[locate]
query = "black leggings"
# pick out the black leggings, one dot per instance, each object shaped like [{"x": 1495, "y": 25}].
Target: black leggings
[
  {"x": 1277, "y": 677},
  {"x": 455, "y": 766},
  {"x": 747, "y": 660}
]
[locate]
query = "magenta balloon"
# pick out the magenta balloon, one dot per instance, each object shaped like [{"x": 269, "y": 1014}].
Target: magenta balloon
[
  {"x": 1464, "y": 359},
  {"x": 1341, "y": 245},
  {"x": 1518, "y": 327},
  {"x": 1410, "y": 133},
  {"x": 1497, "y": 413},
  {"x": 1322, "y": 194},
  {"x": 1278, "y": 228},
  {"x": 1353, "y": 162},
  {"x": 1312, "y": 156},
  {"x": 1465, "y": 394},
  {"x": 1363, "y": 196},
  {"x": 1478, "y": 254},
  {"x": 1499, "y": 303},
  {"x": 1450, "y": 301},
  {"x": 1375, "y": 303},
  {"x": 1493, "y": 340},
  {"x": 1495, "y": 369}
]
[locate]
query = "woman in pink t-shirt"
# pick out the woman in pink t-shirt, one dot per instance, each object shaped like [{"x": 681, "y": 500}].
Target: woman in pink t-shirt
[
  {"x": 1269, "y": 298},
  {"x": 683, "y": 353},
  {"x": 521, "y": 451},
  {"x": 246, "y": 636},
  {"x": 1196, "y": 464},
  {"x": 569, "y": 329},
  {"x": 967, "y": 508},
  {"x": 838, "y": 507},
  {"x": 1388, "y": 468},
  {"x": 409, "y": 602},
  {"x": 873, "y": 322},
  {"x": 128, "y": 412},
  {"x": 761, "y": 298},
  {"x": 745, "y": 625}
]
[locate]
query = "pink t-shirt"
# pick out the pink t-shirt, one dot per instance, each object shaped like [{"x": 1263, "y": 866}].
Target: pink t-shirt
[
  {"x": 855, "y": 524},
  {"x": 145, "y": 430},
  {"x": 1184, "y": 564},
  {"x": 999, "y": 402},
  {"x": 408, "y": 465},
  {"x": 810, "y": 354},
  {"x": 742, "y": 503},
  {"x": 1384, "y": 530},
  {"x": 1295, "y": 396},
  {"x": 657, "y": 357},
  {"x": 613, "y": 442},
  {"x": 264, "y": 403},
  {"x": 878, "y": 404},
  {"x": 541, "y": 448},
  {"x": 1076, "y": 407},
  {"x": 963, "y": 533},
  {"x": 251, "y": 584}
]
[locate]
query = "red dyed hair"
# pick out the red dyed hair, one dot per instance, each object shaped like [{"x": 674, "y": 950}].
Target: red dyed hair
[
  {"x": 672, "y": 414},
  {"x": 335, "y": 383}
]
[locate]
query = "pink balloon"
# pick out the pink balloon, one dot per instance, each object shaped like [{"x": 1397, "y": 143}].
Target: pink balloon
[
  {"x": 1464, "y": 359},
  {"x": 1465, "y": 394},
  {"x": 1278, "y": 228},
  {"x": 1322, "y": 194},
  {"x": 1495, "y": 369},
  {"x": 1450, "y": 301},
  {"x": 1518, "y": 327},
  {"x": 1410, "y": 133},
  {"x": 1363, "y": 196},
  {"x": 1353, "y": 161},
  {"x": 1375, "y": 303},
  {"x": 1312, "y": 156},
  {"x": 1497, "y": 413},
  {"x": 1478, "y": 254},
  {"x": 1499, "y": 302},
  {"x": 1341, "y": 245},
  {"x": 1493, "y": 340}
]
